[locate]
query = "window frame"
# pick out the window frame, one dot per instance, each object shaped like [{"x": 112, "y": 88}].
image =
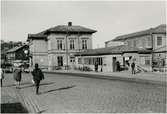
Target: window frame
[{"x": 159, "y": 43}]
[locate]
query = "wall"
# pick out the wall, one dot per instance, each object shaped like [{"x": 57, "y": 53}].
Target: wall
[
  {"x": 141, "y": 42},
  {"x": 38, "y": 50}
]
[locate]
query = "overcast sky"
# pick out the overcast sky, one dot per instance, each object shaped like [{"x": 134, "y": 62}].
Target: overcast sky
[{"x": 109, "y": 18}]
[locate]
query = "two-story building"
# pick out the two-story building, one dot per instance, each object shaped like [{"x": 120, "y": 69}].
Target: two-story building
[
  {"x": 18, "y": 55},
  {"x": 56, "y": 46},
  {"x": 153, "y": 39}
]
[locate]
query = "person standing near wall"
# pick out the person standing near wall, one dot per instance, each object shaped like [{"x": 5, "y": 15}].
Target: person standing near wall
[
  {"x": 118, "y": 66},
  {"x": 37, "y": 77}
]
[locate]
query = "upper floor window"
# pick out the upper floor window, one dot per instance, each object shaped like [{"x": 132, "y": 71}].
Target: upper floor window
[
  {"x": 143, "y": 43},
  {"x": 59, "y": 44},
  {"x": 72, "y": 45},
  {"x": 149, "y": 41},
  {"x": 159, "y": 41},
  {"x": 84, "y": 44}
]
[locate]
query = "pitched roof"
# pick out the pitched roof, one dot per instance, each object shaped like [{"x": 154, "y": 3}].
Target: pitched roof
[
  {"x": 112, "y": 50},
  {"x": 158, "y": 29},
  {"x": 15, "y": 48},
  {"x": 40, "y": 35},
  {"x": 66, "y": 28},
  {"x": 61, "y": 29}
]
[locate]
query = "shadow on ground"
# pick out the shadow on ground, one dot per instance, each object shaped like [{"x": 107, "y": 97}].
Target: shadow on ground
[
  {"x": 59, "y": 89},
  {"x": 25, "y": 83},
  {"x": 13, "y": 108},
  {"x": 42, "y": 84}
]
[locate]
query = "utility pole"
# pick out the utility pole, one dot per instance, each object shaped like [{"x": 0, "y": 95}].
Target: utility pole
[
  {"x": 152, "y": 40},
  {"x": 66, "y": 51}
]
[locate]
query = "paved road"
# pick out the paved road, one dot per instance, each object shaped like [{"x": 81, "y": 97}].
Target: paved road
[{"x": 61, "y": 93}]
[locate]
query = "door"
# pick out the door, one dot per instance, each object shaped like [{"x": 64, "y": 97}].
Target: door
[{"x": 114, "y": 64}]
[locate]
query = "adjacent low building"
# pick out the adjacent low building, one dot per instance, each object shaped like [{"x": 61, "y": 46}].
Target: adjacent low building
[
  {"x": 107, "y": 57},
  {"x": 146, "y": 48}
]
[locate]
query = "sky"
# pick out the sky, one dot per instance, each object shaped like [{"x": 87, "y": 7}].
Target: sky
[{"x": 109, "y": 18}]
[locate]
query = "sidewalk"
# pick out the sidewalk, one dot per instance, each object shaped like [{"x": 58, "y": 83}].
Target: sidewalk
[
  {"x": 10, "y": 102},
  {"x": 144, "y": 77}
]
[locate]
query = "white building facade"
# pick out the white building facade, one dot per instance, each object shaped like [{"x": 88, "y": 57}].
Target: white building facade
[{"x": 54, "y": 48}]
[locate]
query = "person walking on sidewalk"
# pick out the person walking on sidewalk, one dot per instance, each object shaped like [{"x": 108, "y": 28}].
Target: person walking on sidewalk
[
  {"x": 37, "y": 77},
  {"x": 17, "y": 76},
  {"x": 133, "y": 67},
  {"x": 2, "y": 76}
]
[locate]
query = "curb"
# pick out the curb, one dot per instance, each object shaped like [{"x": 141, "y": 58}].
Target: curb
[
  {"x": 27, "y": 103},
  {"x": 101, "y": 76}
]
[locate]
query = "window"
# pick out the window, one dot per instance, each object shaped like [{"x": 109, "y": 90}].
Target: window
[
  {"x": 147, "y": 61},
  {"x": 71, "y": 44},
  {"x": 59, "y": 45},
  {"x": 84, "y": 44},
  {"x": 159, "y": 41},
  {"x": 129, "y": 43},
  {"x": 143, "y": 43},
  {"x": 149, "y": 41},
  {"x": 72, "y": 59},
  {"x": 60, "y": 60}
]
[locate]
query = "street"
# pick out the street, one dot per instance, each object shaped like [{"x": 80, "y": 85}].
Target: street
[{"x": 65, "y": 93}]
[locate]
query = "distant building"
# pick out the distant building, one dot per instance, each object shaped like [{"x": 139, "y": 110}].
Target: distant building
[
  {"x": 18, "y": 55},
  {"x": 153, "y": 39},
  {"x": 56, "y": 46}
]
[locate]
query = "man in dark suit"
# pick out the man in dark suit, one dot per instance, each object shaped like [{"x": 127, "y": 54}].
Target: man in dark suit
[{"x": 37, "y": 77}]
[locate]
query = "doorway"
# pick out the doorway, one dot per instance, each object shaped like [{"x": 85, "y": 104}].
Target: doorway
[{"x": 114, "y": 64}]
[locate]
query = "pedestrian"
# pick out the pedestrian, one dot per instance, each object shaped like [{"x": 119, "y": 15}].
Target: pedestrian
[
  {"x": 133, "y": 67},
  {"x": 118, "y": 66},
  {"x": 96, "y": 66},
  {"x": 17, "y": 76},
  {"x": 2, "y": 76},
  {"x": 37, "y": 77}
]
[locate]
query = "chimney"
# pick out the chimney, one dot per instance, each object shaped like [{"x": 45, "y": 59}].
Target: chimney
[{"x": 69, "y": 23}]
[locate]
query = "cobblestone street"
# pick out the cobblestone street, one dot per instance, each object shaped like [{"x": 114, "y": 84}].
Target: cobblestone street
[{"x": 64, "y": 93}]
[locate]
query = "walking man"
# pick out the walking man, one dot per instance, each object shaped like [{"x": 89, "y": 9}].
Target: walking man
[
  {"x": 133, "y": 67},
  {"x": 17, "y": 76},
  {"x": 37, "y": 77}
]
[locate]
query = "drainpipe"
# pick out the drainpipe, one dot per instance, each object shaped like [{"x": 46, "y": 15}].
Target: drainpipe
[
  {"x": 152, "y": 40},
  {"x": 66, "y": 51}
]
